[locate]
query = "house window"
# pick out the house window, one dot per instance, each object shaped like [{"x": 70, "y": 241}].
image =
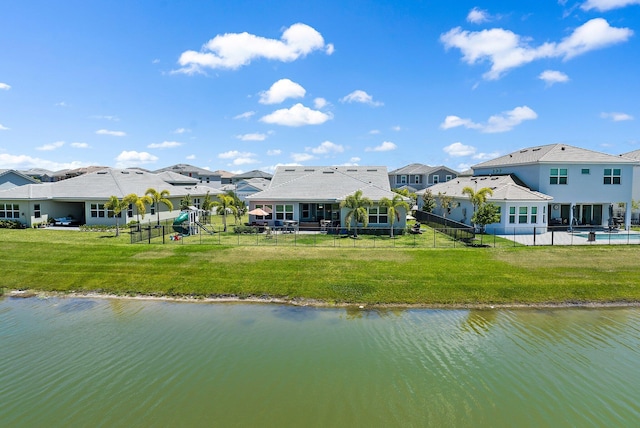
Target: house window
[
  {"x": 196, "y": 202},
  {"x": 402, "y": 179},
  {"x": 585, "y": 171},
  {"x": 558, "y": 176},
  {"x": 284, "y": 212},
  {"x": 378, "y": 215},
  {"x": 611, "y": 176},
  {"x": 9, "y": 211},
  {"x": 534, "y": 214},
  {"x": 417, "y": 179},
  {"x": 448, "y": 177},
  {"x": 152, "y": 208},
  {"x": 499, "y": 212},
  {"x": 99, "y": 211},
  {"x": 36, "y": 211},
  {"x": 130, "y": 211},
  {"x": 512, "y": 215},
  {"x": 267, "y": 208},
  {"x": 522, "y": 215},
  {"x": 436, "y": 179}
]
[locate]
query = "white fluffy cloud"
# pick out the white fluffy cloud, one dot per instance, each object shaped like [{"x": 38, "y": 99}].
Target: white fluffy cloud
[
  {"x": 605, "y": 5},
  {"x": 280, "y": 91},
  {"x": 112, "y": 133},
  {"x": 552, "y": 76},
  {"x": 301, "y": 157},
  {"x": 235, "y": 50},
  {"x": 245, "y": 115},
  {"x": 164, "y": 145},
  {"x": 3, "y": 128},
  {"x": 252, "y": 137},
  {"x": 616, "y": 116},
  {"x": 4, "y": 86},
  {"x": 239, "y": 158},
  {"x": 274, "y": 152},
  {"x": 386, "y": 146},
  {"x": 106, "y": 117},
  {"x": 506, "y": 50},
  {"x": 320, "y": 103},
  {"x": 131, "y": 158},
  {"x": 8, "y": 161},
  {"x": 79, "y": 145},
  {"x": 181, "y": 131},
  {"x": 298, "y": 115},
  {"x": 477, "y": 16},
  {"x": 359, "y": 96},
  {"x": 502, "y": 122},
  {"x": 459, "y": 149},
  {"x": 51, "y": 146},
  {"x": 325, "y": 148}
]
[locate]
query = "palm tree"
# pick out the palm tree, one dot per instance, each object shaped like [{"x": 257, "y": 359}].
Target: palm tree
[
  {"x": 477, "y": 198},
  {"x": 392, "y": 206},
  {"x": 140, "y": 202},
  {"x": 357, "y": 205},
  {"x": 159, "y": 198},
  {"x": 116, "y": 206},
  {"x": 225, "y": 203}
]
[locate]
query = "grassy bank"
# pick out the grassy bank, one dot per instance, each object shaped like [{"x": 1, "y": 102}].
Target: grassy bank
[{"x": 68, "y": 261}]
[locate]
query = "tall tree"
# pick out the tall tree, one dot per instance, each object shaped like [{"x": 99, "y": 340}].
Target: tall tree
[
  {"x": 446, "y": 203},
  {"x": 158, "y": 198},
  {"x": 139, "y": 202},
  {"x": 223, "y": 204},
  {"x": 393, "y": 206},
  {"x": 239, "y": 204},
  {"x": 116, "y": 206},
  {"x": 428, "y": 201},
  {"x": 357, "y": 205}
]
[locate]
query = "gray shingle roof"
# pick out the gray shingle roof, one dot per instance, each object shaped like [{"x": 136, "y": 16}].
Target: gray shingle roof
[
  {"x": 419, "y": 168},
  {"x": 183, "y": 168},
  {"x": 326, "y": 183},
  {"x": 101, "y": 185},
  {"x": 632, "y": 155},
  {"x": 505, "y": 187},
  {"x": 552, "y": 153}
]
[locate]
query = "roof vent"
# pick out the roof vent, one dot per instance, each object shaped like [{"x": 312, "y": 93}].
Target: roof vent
[
  {"x": 372, "y": 170},
  {"x": 562, "y": 148},
  {"x": 124, "y": 172},
  {"x": 102, "y": 172},
  {"x": 289, "y": 170}
]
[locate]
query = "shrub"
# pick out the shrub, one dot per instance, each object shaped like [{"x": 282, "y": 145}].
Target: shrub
[
  {"x": 244, "y": 229},
  {"x": 11, "y": 224}
]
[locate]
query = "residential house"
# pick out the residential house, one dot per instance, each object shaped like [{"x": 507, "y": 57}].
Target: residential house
[
  {"x": 82, "y": 198},
  {"x": 210, "y": 178},
  {"x": 585, "y": 185},
  {"x": 417, "y": 176},
  {"x": 10, "y": 178},
  {"x": 251, "y": 174},
  {"x": 635, "y": 155},
  {"x": 522, "y": 210},
  {"x": 65, "y": 174},
  {"x": 39, "y": 174},
  {"x": 312, "y": 195},
  {"x": 244, "y": 188},
  {"x": 225, "y": 176}
]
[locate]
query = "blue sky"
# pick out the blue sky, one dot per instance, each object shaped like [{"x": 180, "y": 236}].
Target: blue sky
[{"x": 241, "y": 85}]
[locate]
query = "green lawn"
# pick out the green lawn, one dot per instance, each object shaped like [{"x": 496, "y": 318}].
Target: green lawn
[{"x": 52, "y": 260}]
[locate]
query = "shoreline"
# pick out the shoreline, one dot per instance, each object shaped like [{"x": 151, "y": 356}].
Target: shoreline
[{"x": 301, "y": 302}]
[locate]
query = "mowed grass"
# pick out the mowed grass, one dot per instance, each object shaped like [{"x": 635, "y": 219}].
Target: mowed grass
[{"x": 65, "y": 261}]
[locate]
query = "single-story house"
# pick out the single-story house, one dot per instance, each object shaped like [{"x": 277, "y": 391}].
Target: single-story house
[
  {"x": 80, "y": 200},
  {"x": 311, "y": 195},
  {"x": 522, "y": 210}
]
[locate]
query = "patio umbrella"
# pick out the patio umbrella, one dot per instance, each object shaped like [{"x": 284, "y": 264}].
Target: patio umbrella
[
  {"x": 258, "y": 211},
  {"x": 410, "y": 217}
]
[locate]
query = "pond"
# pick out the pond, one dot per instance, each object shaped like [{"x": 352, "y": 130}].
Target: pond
[{"x": 126, "y": 362}]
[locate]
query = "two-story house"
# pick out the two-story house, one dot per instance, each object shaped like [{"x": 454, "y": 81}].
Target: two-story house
[
  {"x": 417, "y": 176},
  {"x": 585, "y": 185}
]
